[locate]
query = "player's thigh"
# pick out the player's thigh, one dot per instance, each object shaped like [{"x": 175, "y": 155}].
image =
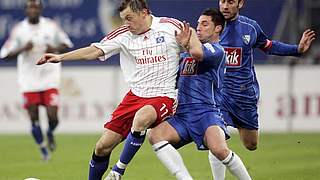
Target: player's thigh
[
  {"x": 215, "y": 140},
  {"x": 144, "y": 118},
  {"x": 163, "y": 132},
  {"x": 33, "y": 111},
  {"x": 107, "y": 142},
  {"x": 52, "y": 113}
]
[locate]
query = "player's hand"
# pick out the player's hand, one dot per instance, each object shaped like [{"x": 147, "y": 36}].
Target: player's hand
[
  {"x": 49, "y": 58},
  {"x": 28, "y": 46},
  {"x": 183, "y": 37},
  {"x": 307, "y": 37}
]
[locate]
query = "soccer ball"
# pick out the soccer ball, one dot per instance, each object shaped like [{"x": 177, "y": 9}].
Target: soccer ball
[{"x": 31, "y": 178}]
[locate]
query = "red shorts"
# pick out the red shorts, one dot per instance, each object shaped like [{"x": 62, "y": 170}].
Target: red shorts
[
  {"x": 48, "y": 97},
  {"x": 122, "y": 117}
]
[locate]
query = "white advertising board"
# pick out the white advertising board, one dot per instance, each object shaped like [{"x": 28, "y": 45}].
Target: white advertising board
[{"x": 90, "y": 94}]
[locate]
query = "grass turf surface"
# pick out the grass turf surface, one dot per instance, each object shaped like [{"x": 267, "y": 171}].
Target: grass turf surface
[{"x": 279, "y": 157}]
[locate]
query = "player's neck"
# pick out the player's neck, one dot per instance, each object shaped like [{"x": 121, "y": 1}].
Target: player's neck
[
  {"x": 233, "y": 18},
  {"x": 147, "y": 25},
  {"x": 33, "y": 20},
  {"x": 148, "y": 22}
]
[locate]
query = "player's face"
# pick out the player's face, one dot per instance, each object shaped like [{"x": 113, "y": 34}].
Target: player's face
[
  {"x": 135, "y": 21},
  {"x": 33, "y": 10},
  {"x": 205, "y": 29},
  {"x": 230, "y": 8}
]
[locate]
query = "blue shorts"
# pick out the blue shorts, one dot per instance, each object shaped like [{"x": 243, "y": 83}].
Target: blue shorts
[
  {"x": 191, "y": 123},
  {"x": 239, "y": 114}
]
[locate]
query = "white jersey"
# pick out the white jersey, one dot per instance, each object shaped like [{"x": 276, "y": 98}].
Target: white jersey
[
  {"x": 150, "y": 60},
  {"x": 33, "y": 78}
]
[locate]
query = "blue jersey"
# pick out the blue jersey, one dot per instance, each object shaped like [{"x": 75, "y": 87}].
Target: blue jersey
[
  {"x": 197, "y": 85},
  {"x": 239, "y": 39},
  {"x": 198, "y": 80},
  {"x": 239, "y": 94}
]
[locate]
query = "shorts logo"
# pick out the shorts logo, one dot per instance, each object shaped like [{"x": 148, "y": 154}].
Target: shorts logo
[
  {"x": 160, "y": 39},
  {"x": 234, "y": 57},
  {"x": 189, "y": 67}
]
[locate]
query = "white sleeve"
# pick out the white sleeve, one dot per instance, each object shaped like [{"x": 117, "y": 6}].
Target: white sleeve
[
  {"x": 12, "y": 44},
  {"x": 62, "y": 37},
  {"x": 109, "y": 47}
]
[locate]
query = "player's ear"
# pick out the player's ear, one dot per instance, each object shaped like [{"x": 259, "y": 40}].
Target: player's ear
[
  {"x": 218, "y": 29},
  {"x": 240, "y": 5}
]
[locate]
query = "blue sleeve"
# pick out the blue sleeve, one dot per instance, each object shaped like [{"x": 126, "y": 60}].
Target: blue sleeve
[
  {"x": 282, "y": 49},
  {"x": 211, "y": 54},
  {"x": 273, "y": 47}
]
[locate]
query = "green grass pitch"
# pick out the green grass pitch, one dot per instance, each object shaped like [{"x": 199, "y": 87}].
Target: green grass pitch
[{"x": 279, "y": 157}]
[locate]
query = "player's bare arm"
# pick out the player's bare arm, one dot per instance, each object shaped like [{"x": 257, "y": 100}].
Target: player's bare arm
[
  {"x": 86, "y": 53},
  {"x": 307, "y": 37}
]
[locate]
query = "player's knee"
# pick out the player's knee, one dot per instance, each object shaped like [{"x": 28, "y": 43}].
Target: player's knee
[
  {"x": 144, "y": 118},
  {"x": 220, "y": 153},
  {"x": 53, "y": 117},
  {"x": 101, "y": 149},
  {"x": 153, "y": 137},
  {"x": 251, "y": 146},
  {"x": 141, "y": 123}
]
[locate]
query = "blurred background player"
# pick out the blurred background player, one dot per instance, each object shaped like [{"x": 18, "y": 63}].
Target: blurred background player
[
  {"x": 240, "y": 92},
  {"x": 29, "y": 40},
  {"x": 149, "y": 58},
  {"x": 197, "y": 117}
]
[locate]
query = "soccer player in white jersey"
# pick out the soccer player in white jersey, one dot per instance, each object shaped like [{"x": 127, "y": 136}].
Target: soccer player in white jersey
[
  {"x": 149, "y": 56},
  {"x": 29, "y": 40}
]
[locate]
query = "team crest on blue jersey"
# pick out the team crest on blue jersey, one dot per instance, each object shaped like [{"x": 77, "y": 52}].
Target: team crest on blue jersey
[
  {"x": 160, "y": 39},
  {"x": 246, "y": 39},
  {"x": 189, "y": 67}
]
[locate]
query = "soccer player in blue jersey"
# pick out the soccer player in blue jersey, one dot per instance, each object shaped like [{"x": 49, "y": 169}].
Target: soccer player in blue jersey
[
  {"x": 197, "y": 117},
  {"x": 240, "y": 93}
]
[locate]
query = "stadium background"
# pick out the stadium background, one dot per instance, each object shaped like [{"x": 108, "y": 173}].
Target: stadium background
[{"x": 290, "y": 89}]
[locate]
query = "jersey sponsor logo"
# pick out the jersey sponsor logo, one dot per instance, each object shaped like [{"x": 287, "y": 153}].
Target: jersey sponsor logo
[
  {"x": 234, "y": 56},
  {"x": 148, "y": 57},
  {"x": 246, "y": 39},
  {"x": 160, "y": 39},
  {"x": 190, "y": 67}
]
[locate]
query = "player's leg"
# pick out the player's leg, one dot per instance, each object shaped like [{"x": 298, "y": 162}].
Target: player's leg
[
  {"x": 161, "y": 138},
  {"x": 50, "y": 98},
  {"x": 151, "y": 113},
  {"x": 215, "y": 141},
  {"x": 143, "y": 119},
  {"x": 31, "y": 104},
  {"x": 249, "y": 138},
  {"x": 101, "y": 155},
  {"x": 218, "y": 169},
  {"x": 52, "y": 114}
]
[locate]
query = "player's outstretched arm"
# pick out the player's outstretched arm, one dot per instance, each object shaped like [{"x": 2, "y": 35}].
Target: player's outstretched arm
[
  {"x": 307, "y": 37},
  {"x": 87, "y": 53}
]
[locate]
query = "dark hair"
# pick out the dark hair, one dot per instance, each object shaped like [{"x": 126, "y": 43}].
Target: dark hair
[
  {"x": 135, "y": 5},
  {"x": 216, "y": 16}
]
